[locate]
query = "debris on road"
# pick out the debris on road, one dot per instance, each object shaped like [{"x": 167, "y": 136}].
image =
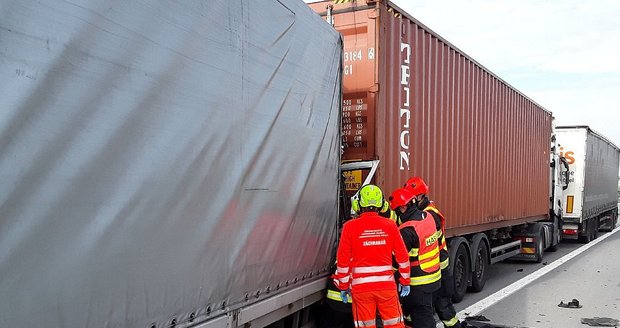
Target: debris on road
[
  {"x": 477, "y": 318},
  {"x": 483, "y": 324},
  {"x": 600, "y": 322},
  {"x": 574, "y": 304}
]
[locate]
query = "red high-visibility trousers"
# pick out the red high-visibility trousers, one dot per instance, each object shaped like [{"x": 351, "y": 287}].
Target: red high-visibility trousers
[{"x": 366, "y": 304}]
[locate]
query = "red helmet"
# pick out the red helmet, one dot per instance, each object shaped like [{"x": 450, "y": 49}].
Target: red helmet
[
  {"x": 417, "y": 186},
  {"x": 400, "y": 197}
]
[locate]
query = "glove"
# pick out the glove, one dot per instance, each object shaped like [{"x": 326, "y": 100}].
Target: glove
[
  {"x": 345, "y": 294},
  {"x": 404, "y": 290}
]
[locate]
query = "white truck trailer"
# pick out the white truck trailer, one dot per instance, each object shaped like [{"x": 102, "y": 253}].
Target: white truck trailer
[{"x": 592, "y": 196}]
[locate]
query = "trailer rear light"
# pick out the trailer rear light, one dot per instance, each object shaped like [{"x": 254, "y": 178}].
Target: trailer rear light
[
  {"x": 570, "y": 231},
  {"x": 569, "y": 204}
]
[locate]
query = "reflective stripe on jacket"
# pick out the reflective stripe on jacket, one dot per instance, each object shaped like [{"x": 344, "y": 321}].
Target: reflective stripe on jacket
[
  {"x": 365, "y": 255},
  {"x": 444, "y": 256},
  {"x": 335, "y": 295},
  {"x": 334, "y": 300}
]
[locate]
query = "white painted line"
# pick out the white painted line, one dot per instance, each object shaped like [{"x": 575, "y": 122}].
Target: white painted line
[{"x": 485, "y": 303}]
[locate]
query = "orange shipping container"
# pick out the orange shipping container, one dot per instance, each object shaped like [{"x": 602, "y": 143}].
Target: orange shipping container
[{"x": 423, "y": 107}]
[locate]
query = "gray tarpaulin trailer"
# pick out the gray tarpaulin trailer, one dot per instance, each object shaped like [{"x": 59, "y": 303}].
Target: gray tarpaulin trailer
[{"x": 165, "y": 163}]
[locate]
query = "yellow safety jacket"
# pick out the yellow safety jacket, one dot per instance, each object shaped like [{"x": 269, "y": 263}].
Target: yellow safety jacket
[
  {"x": 425, "y": 267},
  {"x": 444, "y": 256}
]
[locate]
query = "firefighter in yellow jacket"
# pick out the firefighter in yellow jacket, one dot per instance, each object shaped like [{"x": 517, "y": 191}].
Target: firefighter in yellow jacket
[
  {"x": 442, "y": 298},
  {"x": 419, "y": 232}
]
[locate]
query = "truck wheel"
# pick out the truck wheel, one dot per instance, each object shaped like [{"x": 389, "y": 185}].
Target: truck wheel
[
  {"x": 462, "y": 269},
  {"x": 595, "y": 227},
  {"x": 554, "y": 246},
  {"x": 588, "y": 235},
  {"x": 540, "y": 247},
  {"x": 585, "y": 239},
  {"x": 611, "y": 219},
  {"x": 556, "y": 237},
  {"x": 481, "y": 264}
]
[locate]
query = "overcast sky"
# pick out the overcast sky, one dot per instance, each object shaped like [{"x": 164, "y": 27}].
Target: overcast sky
[{"x": 563, "y": 54}]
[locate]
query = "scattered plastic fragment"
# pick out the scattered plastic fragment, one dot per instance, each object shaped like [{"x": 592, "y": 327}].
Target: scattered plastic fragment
[
  {"x": 600, "y": 322},
  {"x": 574, "y": 304},
  {"x": 519, "y": 270},
  {"x": 545, "y": 263}
]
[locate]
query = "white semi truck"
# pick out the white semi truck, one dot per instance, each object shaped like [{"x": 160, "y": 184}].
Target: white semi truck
[{"x": 592, "y": 196}]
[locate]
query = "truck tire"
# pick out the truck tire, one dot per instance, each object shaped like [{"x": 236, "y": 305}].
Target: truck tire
[
  {"x": 540, "y": 246},
  {"x": 587, "y": 237},
  {"x": 554, "y": 247},
  {"x": 481, "y": 266},
  {"x": 557, "y": 235},
  {"x": 596, "y": 224},
  {"x": 461, "y": 272},
  {"x": 611, "y": 219}
]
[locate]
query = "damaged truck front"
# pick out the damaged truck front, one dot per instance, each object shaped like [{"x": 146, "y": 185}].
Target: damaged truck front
[{"x": 166, "y": 164}]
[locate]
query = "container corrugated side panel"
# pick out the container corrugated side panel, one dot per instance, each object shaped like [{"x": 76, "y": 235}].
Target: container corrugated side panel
[
  {"x": 481, "y": 145},
  {"x": 356, "y": 22}
]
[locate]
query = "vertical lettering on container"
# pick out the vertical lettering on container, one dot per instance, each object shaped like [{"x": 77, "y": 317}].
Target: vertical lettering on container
[{"x": 405, "y": 112}]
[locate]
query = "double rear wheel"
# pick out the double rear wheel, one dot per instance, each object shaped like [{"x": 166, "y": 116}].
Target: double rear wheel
[
  {"x": 481, "y": 265},
  {"x": 461, "y": 272}
]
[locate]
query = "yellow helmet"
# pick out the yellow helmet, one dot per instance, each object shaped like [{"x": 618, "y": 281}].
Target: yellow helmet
[{"x": 370, "y": 196}]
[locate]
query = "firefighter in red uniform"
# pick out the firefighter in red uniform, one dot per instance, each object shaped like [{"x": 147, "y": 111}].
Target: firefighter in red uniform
[
  {"x": 339, "y": 314},
  {"x": 442, "y": 299},
  {"x": 419, "y": 232},
  {"x": 364, "y": 264}
]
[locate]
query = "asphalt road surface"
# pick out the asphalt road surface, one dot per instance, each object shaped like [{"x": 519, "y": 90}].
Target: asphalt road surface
[
  {"x": 504, "y": 273},
  {"x": 591, "y": 278}
]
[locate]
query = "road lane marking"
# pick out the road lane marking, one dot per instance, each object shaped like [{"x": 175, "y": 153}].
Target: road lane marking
[{"x": 494, "y": 298}]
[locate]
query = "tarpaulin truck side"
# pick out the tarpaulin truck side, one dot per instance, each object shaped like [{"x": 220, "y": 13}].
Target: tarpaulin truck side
[
  {"x": 165, "y": 164},
  {"x": 592, "y": 197},
  {"x": 420, "y": 106}
]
